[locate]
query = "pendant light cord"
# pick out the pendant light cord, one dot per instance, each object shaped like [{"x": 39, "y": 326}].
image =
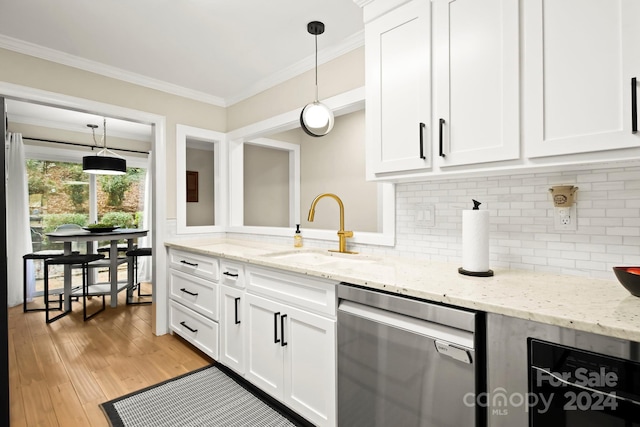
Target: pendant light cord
[
  {"x": 316, "y": 37},
  {"x": 104, "y": 133}
]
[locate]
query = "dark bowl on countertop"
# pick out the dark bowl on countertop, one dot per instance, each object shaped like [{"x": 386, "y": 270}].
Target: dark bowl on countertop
[{"x": 630, "y": 278}]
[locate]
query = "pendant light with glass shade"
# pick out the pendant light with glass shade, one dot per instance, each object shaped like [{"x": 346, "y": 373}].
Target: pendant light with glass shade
[
  {"x": 105, "y": 161},
  {"x": 316, "y": 118}
]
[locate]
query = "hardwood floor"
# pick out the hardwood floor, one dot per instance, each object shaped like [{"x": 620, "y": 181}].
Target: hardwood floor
[{"x": 60, "y": 373}]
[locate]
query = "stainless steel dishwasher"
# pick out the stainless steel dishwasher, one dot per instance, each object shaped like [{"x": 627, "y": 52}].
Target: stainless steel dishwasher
[{"x": 407, "y": 362}]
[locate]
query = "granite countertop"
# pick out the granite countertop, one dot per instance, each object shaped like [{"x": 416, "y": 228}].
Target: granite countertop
[{"x": 592, "y": 305}]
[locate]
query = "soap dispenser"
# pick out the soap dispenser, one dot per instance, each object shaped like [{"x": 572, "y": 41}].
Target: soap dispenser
[{"x": 297, "y": 237}]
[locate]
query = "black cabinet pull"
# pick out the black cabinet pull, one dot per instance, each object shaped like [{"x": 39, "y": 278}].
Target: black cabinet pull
[
  {"x": 236, "y": 315},
  {"x": 282, "y": 329},
  {"x": 226, "y": 273},
  {"x": 634, "y": 105},
  {"x": 275, "y": 327},
  {"x": 422, "y": 126},
  {"x": 187, "y": 326},
  {"x": 441, "y": 128},
  {"x": 190, "y": 293},
  {"x": 189, "y": 263}
]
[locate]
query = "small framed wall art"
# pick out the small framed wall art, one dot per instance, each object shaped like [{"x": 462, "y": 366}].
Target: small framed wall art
[{"x": 192, "y": 186}]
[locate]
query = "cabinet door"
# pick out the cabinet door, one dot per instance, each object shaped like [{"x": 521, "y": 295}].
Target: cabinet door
[
  {"x": 398, "y": 56},
  {"x": 476, "y": 89},
  {"x": 232, "y": 328},
  {"x": 264, "y": 352},
  {"x": 310, "y": 366},
  {"x": 579, "y": 59},
  {"x": 196, "y": 293}
]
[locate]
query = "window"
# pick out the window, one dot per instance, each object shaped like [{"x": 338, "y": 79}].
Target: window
[{"x": 61, "y": 193}]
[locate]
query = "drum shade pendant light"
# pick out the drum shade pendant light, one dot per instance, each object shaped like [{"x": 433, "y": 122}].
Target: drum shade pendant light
[
  {"x": 316, "y": 118},
  {"x": 105, "y": 162}
]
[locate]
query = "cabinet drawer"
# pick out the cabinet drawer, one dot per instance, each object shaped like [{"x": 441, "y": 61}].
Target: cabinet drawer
[
  {"x": 301, "y": 291},
  {"x": 232, "y": 274},
  {"x": 196, "y": 264},
  {"x": 195, "y": 328},
  {"x": 196, "y": 293}
]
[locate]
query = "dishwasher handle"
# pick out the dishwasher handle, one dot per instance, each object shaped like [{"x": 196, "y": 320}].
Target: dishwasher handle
[
  {"x": 458, "y": 338},
  {"x": 457, "y": 353}
]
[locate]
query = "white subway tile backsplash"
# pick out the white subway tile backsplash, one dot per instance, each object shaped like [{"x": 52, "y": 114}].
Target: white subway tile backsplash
[
  {"x": 625, "y": 175},
  {"x": 522, "y": 231},
  {"x": 591, "y": 177},
  {"x": 623, "y": 231},
  {"x": 562, "y": 262},
  {"x": 562, "y": 246},
  {"x": 609, "y": 221},
  {"x": 631, "y": 241}
]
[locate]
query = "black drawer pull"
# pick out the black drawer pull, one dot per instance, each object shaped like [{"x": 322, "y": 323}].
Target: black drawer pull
[
  {"x": 441, "y": 128},
  {"x": 634, "y": 105},
  {"x": 226, "y": 273},
  {"x": 282, "y": 329},
  {"x": 422, "y": 126},
  {"x": 275, "y": 327},
  {"x": 187, "y": 326},
  {"x": 190, "y": 293},
  {"x": 192, "y": 264},
  {"x": 236, "y": 315}
]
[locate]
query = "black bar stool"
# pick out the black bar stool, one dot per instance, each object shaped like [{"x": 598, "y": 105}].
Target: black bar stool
[
  {"x": 74, "y": 259},
  {"x": 135, "y": 253},
  {"x": 40, "y": 255},
  {"x": 122, "y": 248}
]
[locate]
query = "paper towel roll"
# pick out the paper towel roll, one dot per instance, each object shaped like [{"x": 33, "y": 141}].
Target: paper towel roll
[{"x": 475, "y": 240}]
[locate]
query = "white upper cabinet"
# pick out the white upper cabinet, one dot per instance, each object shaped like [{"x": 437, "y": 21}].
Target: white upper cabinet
[
  {"x": 398, "y": 98},
  {"x": 517, "y": 85},
  {"x": 476, "y": 81},
  {"x": 580, "y": 58}
]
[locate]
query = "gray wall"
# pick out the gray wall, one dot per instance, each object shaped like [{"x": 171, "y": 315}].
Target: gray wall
[
  {"x": 203, "y": 211},
  {"x": 266, "y": 186}
]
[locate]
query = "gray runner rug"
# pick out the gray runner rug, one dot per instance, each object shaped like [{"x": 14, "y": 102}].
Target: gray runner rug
[{"x": 210, "y": 396}]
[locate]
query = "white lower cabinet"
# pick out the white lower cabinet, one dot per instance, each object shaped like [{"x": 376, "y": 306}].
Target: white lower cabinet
[
  {"x": 193, "y": 305},
  {"x": 195, "y": 328},
  {"x": 291, "y": 355},
  {"x": 232, "y": 319},
  {"x": 275, "y": 328}
]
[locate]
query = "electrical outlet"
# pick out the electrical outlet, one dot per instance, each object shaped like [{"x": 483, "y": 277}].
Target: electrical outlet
[{"x": 565, "y": 218}]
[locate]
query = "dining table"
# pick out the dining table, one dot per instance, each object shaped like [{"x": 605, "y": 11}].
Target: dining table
[{"x": 68, "y": 236}]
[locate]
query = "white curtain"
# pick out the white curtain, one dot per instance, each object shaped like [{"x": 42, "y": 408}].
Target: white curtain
[
  {"x": 145, "y": 265},
  {"x": 18, "y": 227}
]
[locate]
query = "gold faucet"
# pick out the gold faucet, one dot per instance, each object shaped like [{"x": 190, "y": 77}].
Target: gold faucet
[{"x": 342, "y": 234}]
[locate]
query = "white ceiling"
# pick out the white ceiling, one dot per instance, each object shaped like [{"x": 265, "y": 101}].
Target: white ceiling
[
  {"x": 216, "y": 51},
  {"x": 219, "y": 51},
  {"x": 74, "y": 121}
]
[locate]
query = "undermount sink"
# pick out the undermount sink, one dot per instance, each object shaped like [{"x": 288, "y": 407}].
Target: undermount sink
[{"x": 318, "y": 257}]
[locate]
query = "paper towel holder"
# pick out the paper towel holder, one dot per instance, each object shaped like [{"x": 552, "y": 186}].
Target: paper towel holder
[{"x": 487, "y": 273}]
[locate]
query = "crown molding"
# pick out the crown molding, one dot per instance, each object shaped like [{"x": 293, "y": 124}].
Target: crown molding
[
  {"x": 350, "y": 43},
  {"x": 59, "y": 57}
]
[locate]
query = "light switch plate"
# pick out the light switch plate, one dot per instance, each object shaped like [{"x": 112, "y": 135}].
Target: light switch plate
[{"x": 425, "y": 216}]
